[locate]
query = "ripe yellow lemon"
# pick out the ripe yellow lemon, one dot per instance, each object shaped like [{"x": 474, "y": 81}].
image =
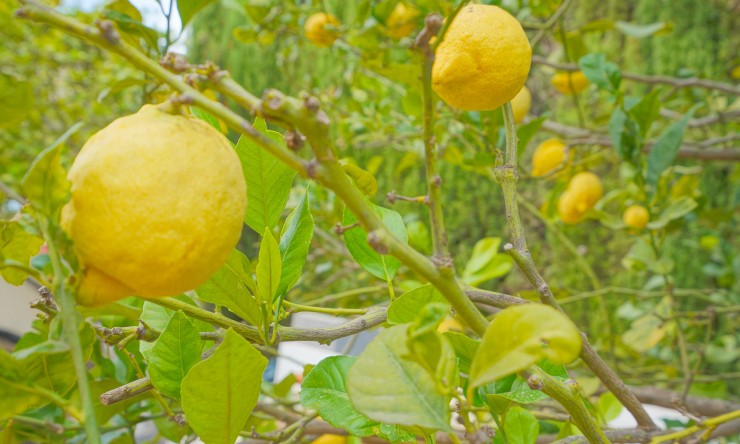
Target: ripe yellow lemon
[
  {"x": 548, "y": 156},
  {"x": 581, "y": 194},
  {"x": 636, "y": 216},
  {"x": 319, "y": 29},
  {"x": 570, "y": 82},
  {"x": 450, "y": 324},
  {"x": 158, "y": 203},
  {"x": 520, "y": 104},
  {"x": 330, "y": 439},
  {"x": 402, "y": 20},
  {"x": 483, "y": 60}
]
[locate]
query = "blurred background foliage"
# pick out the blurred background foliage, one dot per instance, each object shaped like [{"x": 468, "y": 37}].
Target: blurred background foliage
[{"x": 368, "y": 84}]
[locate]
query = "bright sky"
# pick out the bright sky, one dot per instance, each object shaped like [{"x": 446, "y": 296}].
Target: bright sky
[{"x": 150, "y": 12}]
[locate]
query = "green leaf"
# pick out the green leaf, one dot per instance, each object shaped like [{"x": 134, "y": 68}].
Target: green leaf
[
  {"x": 176, "y": 350},
  {"x": 383, "y": 267},
  {"x": 465, "y": 349},
  {"x": 188, "y": 8},
  {"x": 676, "y": 209},
  {"x": 230, "y": 287},
  {"x": 407, "y": 307},
  {"x": 219, "y": 393},
  {"x": 646, "y": 111},
  {"x": 365, "y": 181},
  {"x": 206, "y": 117},
  {"x": 268, "y": 180},
  {"x": 603, "y": 74},
  {"x": 521, "y": 426},
  {"x": 520, "y": 391},
  {"x": 625, "y": 135},
  {"x": 16, "y": 246},
  {"x": 432, "y": 350},
  {"x": 642, "y": 31},
  {"x": 131, "y": 27},
  {"x": 295, "y": 241},
  {"x": 388, "y": 388},
  {"x": 16, "y": 100},
  {"x": 16, "y": 393},
  {"x": 49, "y": 365},
  {"x": 269, "y": 267},
  {"x": 663, "y": 153},
  {"x": 325, "y": 389},
  {"x": 157, "y": 317},
  {"x": 486, "y": 262},
  {"x": 521, "y": 335},
  {"x": 45, "y": 184},
  {"x": 525, "y": 133},
  {"x": 609, "y": 406}
]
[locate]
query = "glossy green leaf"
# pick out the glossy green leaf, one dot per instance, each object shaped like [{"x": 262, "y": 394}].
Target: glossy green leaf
[
  {"x": 16, "y": 393},
  {"x": 521, "y": 335},
  {"x": 520, "y": 391},
  {"x": 520, "y": 426},
  {"x": 16, "y": 100},
  {"x": 269, "y": 267},
  {"x": 407, "y": 307},
  {"x": 16, "y": 246},
  {"x": 157, "y": 317},
  {"x": 381, "y": 266},
  {"x": 388, "y": 388},
  {"x": 219, "y": 393},
  {"x": 268, "y": 180},
  {"x": 49, "y": 365},
  {"x": 603, "y": 74},
  {"x": 325, "y": 389},
  {"x": 663, "y": 152},
  {"x": 188, "y": 8},
  {"x": 206, "y": 117},
  {"x": 176, "y": 350},
  {"x": 431, "y": 349},
  {"x": 230, "y": 287},
  {"x": 486, "y": 262},
  {"x": 295, "y": 241}
]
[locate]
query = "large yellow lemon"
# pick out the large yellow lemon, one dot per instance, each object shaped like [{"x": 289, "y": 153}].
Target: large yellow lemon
[
  {"x": 330, "y": 439},
  {"x": 158, "y": 203},
  {"x": 483, "y": 60},
  {"x": 320, "y": 29}
]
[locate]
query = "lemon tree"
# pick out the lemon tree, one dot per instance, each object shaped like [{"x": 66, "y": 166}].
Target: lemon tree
[{"x": 480, "y": 206}]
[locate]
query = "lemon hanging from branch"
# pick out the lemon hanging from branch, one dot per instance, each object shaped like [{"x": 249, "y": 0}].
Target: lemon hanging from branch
[
  {"x": 158, "y": 203},
  {"x": 483, "y": 60}
]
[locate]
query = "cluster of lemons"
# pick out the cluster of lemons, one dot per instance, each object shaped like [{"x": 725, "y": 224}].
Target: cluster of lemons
[{"x": 159, "y": 197}]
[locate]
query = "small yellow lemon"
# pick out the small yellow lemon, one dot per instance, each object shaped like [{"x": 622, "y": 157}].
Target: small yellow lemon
[
  {"x": 636, "y": 216},
  {"x": 568, "y": 208},
  {"x": 402, "y": 20},
  {"x": 330, "y": 439},
  {"x": 450, "y": 324},
  {"x": 570, "y": 82},
  {"x": 548, "y": 156},
  {"x": 483, "y": 60},
  {"x": 320, "y": 29},
  {"x": 520, "y": 104},
  {"x": 581, "y": 194},
  {"x": 158, "y": 203}
]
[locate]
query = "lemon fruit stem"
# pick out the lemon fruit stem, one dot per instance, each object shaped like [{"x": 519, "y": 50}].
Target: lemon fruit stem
[{"x": 70, "y": 325}]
